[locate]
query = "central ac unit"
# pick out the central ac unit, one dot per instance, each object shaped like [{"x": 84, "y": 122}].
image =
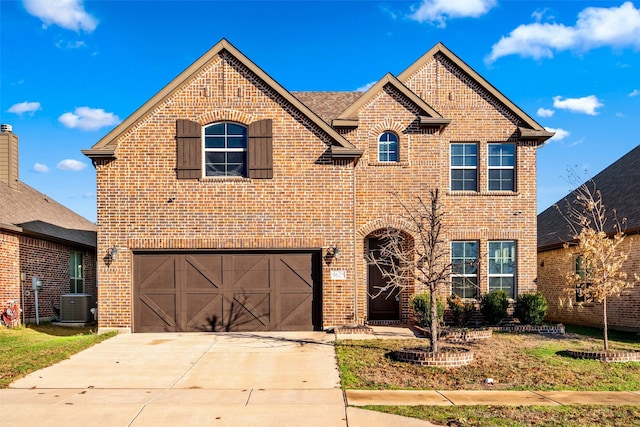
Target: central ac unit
[{"x": 75, "y": 308}]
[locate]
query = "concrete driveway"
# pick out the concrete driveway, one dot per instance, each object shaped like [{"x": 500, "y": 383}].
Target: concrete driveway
[{"x": 231, "y": 379}]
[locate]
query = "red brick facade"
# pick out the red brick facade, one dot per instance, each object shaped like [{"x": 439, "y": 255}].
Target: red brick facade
[
  {"x": 314, "y": 200},
  {"x": 47, "y": 260},
  {"x": 622, "y": 311}
]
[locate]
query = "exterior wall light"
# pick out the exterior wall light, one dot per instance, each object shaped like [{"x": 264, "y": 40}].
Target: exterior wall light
[
  {"x": 111, "y": 256},
  {"x": 333, "y": 252}
]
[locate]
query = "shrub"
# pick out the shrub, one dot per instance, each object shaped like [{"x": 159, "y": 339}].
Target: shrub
[
  {"x": 461, "y": 311},
  {"x": 493, "y": 306},
  {"x": 421, "y": 305},
  {"x": 530, "y": 308}
]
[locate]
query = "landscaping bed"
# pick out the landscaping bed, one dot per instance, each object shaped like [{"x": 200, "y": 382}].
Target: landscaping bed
[{"x": 513, "y": 361}]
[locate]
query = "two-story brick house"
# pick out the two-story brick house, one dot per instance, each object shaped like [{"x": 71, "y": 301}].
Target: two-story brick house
[{"x": 234, "y": 204}]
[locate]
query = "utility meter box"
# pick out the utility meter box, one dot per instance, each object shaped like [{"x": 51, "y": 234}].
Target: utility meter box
[{"x": 36, "y": 284}]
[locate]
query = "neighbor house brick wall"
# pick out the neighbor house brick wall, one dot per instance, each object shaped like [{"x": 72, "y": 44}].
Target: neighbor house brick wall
[
  {"x": 623, "y": 312},
  {"x": 9, "y": 268},
  {"x": 49, "y": 261}
]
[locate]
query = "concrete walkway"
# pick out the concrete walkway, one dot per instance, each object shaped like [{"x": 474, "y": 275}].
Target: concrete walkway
[{"x": 490, "y": 397}]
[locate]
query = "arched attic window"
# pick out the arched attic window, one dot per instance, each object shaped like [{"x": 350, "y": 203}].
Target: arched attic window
[{"x": 388, "y": 147}]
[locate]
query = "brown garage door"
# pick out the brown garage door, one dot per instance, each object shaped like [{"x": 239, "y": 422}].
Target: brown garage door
[{"x": 186, "y": 292}]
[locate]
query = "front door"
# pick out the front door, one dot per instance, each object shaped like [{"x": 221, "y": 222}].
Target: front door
[{"x": 386, "y": 305}]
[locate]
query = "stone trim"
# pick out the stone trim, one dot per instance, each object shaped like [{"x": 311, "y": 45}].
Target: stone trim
[{"x": 236, "y": 243}]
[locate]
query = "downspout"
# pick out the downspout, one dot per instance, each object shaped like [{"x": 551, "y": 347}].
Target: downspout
[{"x": 355, "y": 245}]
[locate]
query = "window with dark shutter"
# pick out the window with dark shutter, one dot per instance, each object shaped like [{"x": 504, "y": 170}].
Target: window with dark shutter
[
  {"x": 189, "y": 149},
  {"x": 260, "y": 150}
]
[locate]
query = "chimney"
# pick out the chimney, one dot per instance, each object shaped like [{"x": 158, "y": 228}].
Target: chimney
[{"x": 8, "y": 156}]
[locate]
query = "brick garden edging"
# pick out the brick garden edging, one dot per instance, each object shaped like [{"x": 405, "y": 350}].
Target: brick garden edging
[
  {"x": 441, "y": 359},
  {"x": 606, "y": 356},
  {"x": 360, "y": 329},
  {"x": 459, "y": 334},
  {"x": 529, "y": 329}
]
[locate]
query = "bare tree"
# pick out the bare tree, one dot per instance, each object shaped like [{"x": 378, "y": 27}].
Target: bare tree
[
  {"x": 600, "y": 248},
  {"x": 421, "y": 258}
]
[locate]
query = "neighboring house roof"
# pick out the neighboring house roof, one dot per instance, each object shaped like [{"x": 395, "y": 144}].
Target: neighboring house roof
[
  {"x": 30, "y": 212},
  {"x": 619, "y": 185},
  {"x": 531, "y": 128},
  {"x": 107, "y": 145},
  {"x": 328, "y": 105}
]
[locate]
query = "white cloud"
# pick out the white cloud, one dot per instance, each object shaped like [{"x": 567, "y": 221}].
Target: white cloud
[
  {"x": 40, "y": 168},
  {"x": 86, "y": 118},
  {"x": 88, "y": 195},
  {"x": 560, "y": 134},
  {"x": 635, "y": 92},
  {"x": 69, "y": 14},
  {"x": 24, "y": 107},
  {"x": 543, "y": 112},
  {"x": 586, "y": 104},
  {"x": 437, "y": 12},
  {"x": 62, "y": 44},
  {"x": 71, "y": 165},
  {"x": 595, "y": 27},
  {"x": 366, "y": 87}
]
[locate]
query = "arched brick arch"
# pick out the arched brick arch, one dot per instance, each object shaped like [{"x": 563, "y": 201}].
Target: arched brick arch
[
  {"x": 384, "y": 223},
  {"x": 224, "y": 116},
  {"x": 386, "y": 125}
]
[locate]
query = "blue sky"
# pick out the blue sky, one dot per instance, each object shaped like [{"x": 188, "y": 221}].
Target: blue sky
[{"x": 72, "y": 70}]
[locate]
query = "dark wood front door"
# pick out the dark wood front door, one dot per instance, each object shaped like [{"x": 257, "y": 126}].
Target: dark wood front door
[
  {"x": 385, "y": 306},
  {"x": 227, "y": 292}
]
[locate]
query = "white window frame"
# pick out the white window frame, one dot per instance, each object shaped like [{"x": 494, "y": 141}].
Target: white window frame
[
  {"x": 463, "y": 167},
  {"x": 466, "y": 276},
  {"x": 512, "y": 256},
  {"x": 501, "y": 167},
  {"x": 224, "y": 150}
]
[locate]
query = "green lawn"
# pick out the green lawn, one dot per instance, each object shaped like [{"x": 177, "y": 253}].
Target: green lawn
[
  {"x": 515, "y": 362},
  {"x": 27, "y": 349}
]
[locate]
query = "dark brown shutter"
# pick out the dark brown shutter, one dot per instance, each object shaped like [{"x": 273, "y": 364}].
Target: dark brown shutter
[
  {"x": 260, "y": 150},
  {"x": 189, "y": 149}
]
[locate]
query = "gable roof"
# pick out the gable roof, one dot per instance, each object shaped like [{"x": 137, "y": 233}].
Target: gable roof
[
  {"x": 106, "y": 146},
  {"x": 619, "y": 185},
  {"x": 26, "y": 210},
  {"x": 532, "y": 130},
  {"x": 349, "y": 116}
]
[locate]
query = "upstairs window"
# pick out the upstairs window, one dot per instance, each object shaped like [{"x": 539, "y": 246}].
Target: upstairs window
[
  {"x": 225, "y": 150},
  {"x": 388, "y": 147},
  {"x": 75, "y": 273},
  {"x": 501, "y": 167},
  {"x": 464, "y": 167},
  {"x": 502, "y": 266},
  {"x": 464, "y": 268}
]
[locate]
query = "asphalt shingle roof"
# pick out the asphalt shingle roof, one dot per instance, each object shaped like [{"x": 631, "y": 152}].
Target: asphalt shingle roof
[
  {"x": 619, "y": 185},
  {"x": 34, "y": 212},
  {"x": 327, "y": 105}
]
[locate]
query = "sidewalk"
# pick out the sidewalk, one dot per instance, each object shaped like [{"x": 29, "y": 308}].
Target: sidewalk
[{"x": 490, "y": 397}]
